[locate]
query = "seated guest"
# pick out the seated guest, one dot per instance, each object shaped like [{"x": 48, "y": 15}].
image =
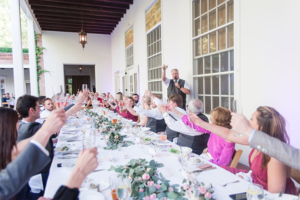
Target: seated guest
[
  {"x": 48, "y": 107},
  {"x": 176, "y": 101},
  {"x": 88, "y": 103},
  {"x": 40, "y": 99},
  {"x": 136, "y": 99},
  {"x": 188, "y": 137},
  {"x": 19, "y": 161},
  {"x": 155, "y": 121},
  {"x": 144, "y": 119},
  {"x": 289, "y": 155},
  {"x": 3, "y": 100},
  {"x": 267, "y": 171},
  {"x": 220, "y": 149},
  {"x": 130, "y": 104},
  {"x": 72, "y": 100}
]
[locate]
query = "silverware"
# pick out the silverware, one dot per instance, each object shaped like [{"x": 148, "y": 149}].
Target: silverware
[
  {"x": 93, "y": 186},
  {"x": 98, "y": 170},
  {"x": 73, "y": 140},
  {"x": 67, "y": 157},
  {"x": 229, "y": 183}
]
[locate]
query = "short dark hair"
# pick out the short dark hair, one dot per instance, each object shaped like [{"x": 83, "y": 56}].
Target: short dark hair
[
  {"x": 104, "y": 94},
  {"x": 24, "y": 103},
  {"x": 176, "y": 98},
  {"x": 41, "y": 98},
  {"x": 136, "y": 94},
  {"x": 119, "y": 93}
]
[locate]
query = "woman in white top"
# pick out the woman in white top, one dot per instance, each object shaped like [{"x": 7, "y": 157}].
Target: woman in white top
[{"x": 48, "y": 105}]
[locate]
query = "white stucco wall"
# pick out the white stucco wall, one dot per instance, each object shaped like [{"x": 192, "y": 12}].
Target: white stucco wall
[{"x": 64, "y": 48}]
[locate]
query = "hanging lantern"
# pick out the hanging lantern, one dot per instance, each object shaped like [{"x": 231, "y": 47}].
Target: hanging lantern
[{"x": 82, "y": 38}]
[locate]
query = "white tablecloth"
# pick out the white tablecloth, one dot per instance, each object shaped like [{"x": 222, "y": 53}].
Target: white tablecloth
[{"x": 171, "y": 170}]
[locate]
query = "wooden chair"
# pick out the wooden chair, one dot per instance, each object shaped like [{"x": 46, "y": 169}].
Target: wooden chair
[
  {"x": 5, "y": 103},
  {"x": 236, "y": 158},
  {"x": 296, "y": 175}
]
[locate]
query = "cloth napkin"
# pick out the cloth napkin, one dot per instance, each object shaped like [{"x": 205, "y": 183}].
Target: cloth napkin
[{"x": 36, "y": 183}]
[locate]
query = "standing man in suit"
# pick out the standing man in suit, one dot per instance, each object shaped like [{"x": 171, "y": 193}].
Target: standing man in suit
[
  {"x": 271, "y": 146},
  {"x": 176, "y": 85}
]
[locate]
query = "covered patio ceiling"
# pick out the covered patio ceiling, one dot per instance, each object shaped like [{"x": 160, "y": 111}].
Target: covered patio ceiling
[{"x": 98, "y": 16}]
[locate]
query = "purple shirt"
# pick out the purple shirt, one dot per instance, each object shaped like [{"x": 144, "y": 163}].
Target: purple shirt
[{"x": 219, "y": 149}]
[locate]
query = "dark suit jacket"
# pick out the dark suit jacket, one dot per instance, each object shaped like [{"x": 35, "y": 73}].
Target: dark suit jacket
[
  {"x": 17, "y": 173},
  {"x": 27, "y": 130}
]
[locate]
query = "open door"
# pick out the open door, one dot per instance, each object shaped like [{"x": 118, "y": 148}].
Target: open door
[{"x": 131, "y": 81}]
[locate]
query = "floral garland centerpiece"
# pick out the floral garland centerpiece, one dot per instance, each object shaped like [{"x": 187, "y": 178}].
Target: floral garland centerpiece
[
  {"x": 146, "y": 182},
  {"x": 198, "y": 192},
  {"x": 115, "y": 140}
]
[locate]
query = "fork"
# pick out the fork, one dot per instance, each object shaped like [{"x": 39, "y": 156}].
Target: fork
[{"x": 230, "y": 182}]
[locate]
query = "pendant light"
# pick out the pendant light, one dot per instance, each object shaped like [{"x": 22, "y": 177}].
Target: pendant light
[{"x": 82, "y": 35}]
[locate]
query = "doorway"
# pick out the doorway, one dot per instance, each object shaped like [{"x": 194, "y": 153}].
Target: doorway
[
  {"x": 76, "y": 75},
  {"x": 130, "y": 81},
  {"x": 117, "y": 82}
]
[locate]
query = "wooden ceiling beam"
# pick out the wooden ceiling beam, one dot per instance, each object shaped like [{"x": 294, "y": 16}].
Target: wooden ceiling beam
[
  {"x": 76, "y": 25},
  {"x": 82, "y": 3},
  {"x": 118, "y": 1},
  {"x": 60, "y": 19},
  {"x": 62, "y": 10},
  {"x": 75, "y": 31},
  {"x": 78, "y": 28},
  {"x": 39, "y": 14}
]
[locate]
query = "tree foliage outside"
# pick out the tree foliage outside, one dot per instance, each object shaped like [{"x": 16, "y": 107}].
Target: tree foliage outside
[{"x": 5, "y": 25}]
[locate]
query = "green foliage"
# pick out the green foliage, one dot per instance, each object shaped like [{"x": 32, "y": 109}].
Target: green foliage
[
  {"x": 138, "y": 170},
  {"x": 9, "y": 50},
  {"x": 38, "y": 52}
]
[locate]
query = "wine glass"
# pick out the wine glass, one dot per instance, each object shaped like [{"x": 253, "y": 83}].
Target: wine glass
[
  {"x": 124, "y": 189},
  {"x": 84, "y": 88},
  {"x": 58, "y": 96},
  {"x": 163, "y": 137},
  {"x": 255, "y": 192},
  {"x": 234, "y": 109},
  {"x": 188, "y": 112}
]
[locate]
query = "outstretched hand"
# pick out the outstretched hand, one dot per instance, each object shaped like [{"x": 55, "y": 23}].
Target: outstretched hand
[
  {"x": 241, "y": 124},
  {"x": 87, "y": 161},
  {"x": 55, "y": 121},
  {"x": 162, "y": 108}
]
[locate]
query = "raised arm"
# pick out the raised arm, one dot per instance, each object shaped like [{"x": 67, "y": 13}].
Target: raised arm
[
  {"x": 163, "y": 74},
  {"x": 53, "y": 124},
  {"x": 225, "y": 133},
  {"x": 133, "y": 112}
]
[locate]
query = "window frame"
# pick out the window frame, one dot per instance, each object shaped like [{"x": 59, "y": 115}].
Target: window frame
[{"x": 195, "y": 58}]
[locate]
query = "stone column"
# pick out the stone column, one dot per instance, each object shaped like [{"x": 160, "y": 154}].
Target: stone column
[
  {"x": 17, "y": 48},
  {"x": 32, "y": 57}
]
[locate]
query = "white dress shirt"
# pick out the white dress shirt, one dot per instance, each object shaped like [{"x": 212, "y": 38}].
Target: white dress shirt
[
  {"x": 157, "y": 101},
  {"x": 154, "y": 113},
  {"x": 186, "y": 85},
  {"x": 179, "y": 126},
  {"x": 45, "y": 113}
]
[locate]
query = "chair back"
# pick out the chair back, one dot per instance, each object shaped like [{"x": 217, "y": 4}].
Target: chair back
[
  {"x": 236, "y": 158},
  {"x": 296, "y": 175},
  {"x": 5, "y": 103}
]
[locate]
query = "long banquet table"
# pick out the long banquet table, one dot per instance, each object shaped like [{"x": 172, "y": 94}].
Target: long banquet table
[{"x": 171, "y": 170}]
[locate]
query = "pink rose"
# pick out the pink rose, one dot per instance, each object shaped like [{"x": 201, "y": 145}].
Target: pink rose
[
  {"x": 153, "y": 196},
  {"x": 141, "y": 190},
  {"x": 116, "y": 137},
  {"x": 146, "y": 177},
  {"x": 140, "y": 179},
  {"x": 150, "y": 183},
  {"x": 207, "y": 195},
  {"x": 157, "y": 187},
  {"x": 186, "y": 187},
  {"x": 191, "y": 189},
  {"x": 171, "y": 189},
  {"x": 107, "y": 137},
  {"x": 202, "y": 190},
  {"x": 147, "y": 198}
]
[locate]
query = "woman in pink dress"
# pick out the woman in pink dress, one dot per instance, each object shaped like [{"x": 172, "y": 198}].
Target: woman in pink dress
[
  {"x": 220, "y": 149},
  {"x": 270, "y": 173}
]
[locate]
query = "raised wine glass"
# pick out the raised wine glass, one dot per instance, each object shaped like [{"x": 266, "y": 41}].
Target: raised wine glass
[
  {"x": 58, "y": 96},
  {"x": 234, "y": 109}
]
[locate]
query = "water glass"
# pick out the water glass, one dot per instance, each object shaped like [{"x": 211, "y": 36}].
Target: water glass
[
  {"x": 124, "y": 189},
  {"x": 255, "y": 192},
  {"x": 113, "y": 182}
]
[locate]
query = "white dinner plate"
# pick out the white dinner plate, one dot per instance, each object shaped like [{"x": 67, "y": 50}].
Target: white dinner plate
[
  {"x": 103, "y": 184},
  {"x": 69, "y": 129},
  {"x": 276, "y": 197},
  {"x": 90, "y": 195},
  {"x": 71, "y": 148}
]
